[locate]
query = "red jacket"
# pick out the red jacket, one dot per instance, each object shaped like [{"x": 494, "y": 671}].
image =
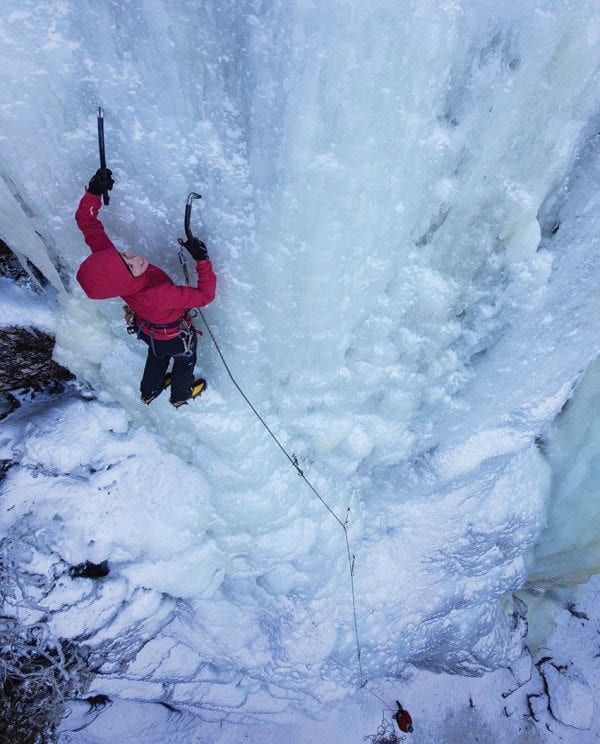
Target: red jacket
[{"x": 152, "y": 296}]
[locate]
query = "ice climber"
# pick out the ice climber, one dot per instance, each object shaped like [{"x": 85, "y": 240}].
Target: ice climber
[
  {"x": 403, "y": 719},
  {"x": 160, "y": 308}
]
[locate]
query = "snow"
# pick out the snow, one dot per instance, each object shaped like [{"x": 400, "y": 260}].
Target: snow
[
  {"x": 401, "y": 204},
  {"x": 20, "y": 306},
  {"x": 570, "y": 698}
]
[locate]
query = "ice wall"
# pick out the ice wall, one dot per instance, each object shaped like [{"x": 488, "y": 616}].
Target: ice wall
[
  {"x": 568, "y": 552},
  {"x": 394, "y": 199}
]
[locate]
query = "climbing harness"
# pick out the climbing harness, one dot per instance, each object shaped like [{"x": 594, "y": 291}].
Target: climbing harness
[
  {"x": 182, "y": 328},
  {"x": 166, "y": 331}
]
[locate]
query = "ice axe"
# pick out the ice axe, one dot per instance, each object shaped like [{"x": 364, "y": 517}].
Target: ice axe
[
  {"x": 192, "y": 196},
  {"x": 105, "y": 196}
]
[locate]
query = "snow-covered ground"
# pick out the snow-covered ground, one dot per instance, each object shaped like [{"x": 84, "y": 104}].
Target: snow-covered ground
[
  {"x": 401, "y": 205},
  {"x": 72, "y": 499}
]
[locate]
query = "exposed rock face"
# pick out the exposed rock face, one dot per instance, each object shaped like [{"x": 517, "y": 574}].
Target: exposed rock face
[
  {"x": 10, "y": 264},
  {"x": 37, "y": 671},
  {"x": 25, "y": 353},
  {"x": 26, "y": 361}
]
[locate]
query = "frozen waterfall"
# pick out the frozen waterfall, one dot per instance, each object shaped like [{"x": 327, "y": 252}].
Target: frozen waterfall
[{"x": 401, "y": 203}]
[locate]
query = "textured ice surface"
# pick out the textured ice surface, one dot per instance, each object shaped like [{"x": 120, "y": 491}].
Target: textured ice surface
[{"x": 399, "y": 201}]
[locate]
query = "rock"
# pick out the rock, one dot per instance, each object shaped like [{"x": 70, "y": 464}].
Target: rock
[
  {"x": 25, "y": 353},
  {"x": 26, "y": 361},
  {"x": 89, "y": 570},
  {"x": 9, "y": 263},
  {"x": 8, "y": 404}
]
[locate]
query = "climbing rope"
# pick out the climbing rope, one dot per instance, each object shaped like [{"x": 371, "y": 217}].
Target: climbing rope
[{"x": 293, "y": 460}]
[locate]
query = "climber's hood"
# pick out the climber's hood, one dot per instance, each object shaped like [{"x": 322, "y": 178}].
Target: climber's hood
[{"x": 104, "y": 274}]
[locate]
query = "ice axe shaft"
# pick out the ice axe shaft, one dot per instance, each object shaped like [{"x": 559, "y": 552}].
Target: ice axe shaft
[
  {"x": 188, "y": 213},
  {"x": 192, "y": 196},
  {"x": 105, "y": 196}
]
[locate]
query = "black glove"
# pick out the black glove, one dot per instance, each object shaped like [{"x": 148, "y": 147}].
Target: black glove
[
  {"x": 197, "y": 249},
  {"x": 101, "y": 181}
]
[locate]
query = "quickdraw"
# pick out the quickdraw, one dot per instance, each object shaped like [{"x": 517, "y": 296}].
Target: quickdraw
[
  {"x": 129, "y": 319},
  {"x": 187, "y": 336}
]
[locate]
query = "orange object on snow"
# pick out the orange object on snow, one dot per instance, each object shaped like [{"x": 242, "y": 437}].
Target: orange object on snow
[{"x": 403, "y": 719}]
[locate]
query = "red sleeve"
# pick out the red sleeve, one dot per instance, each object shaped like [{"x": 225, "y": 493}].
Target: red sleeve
[
  {"x": 207, "y": 281},
  {"x": 87, "y": 221},
  {"x": 176, "y": 296}
]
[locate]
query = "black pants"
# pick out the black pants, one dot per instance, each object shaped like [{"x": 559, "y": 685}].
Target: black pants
[{"x": 157, "y": 362}]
